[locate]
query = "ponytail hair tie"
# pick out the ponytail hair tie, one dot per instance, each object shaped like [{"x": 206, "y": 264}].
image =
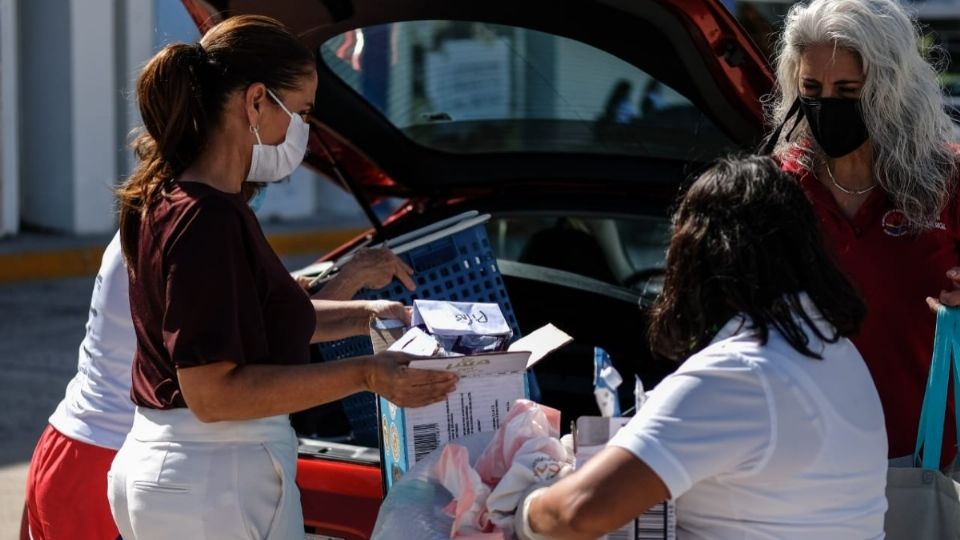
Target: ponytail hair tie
[{"x": 200, "y": 53}]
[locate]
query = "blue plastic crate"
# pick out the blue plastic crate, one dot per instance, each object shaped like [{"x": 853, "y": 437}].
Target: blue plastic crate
[
  {"x": 460, "y": 267},
  {"x": 361, "y": 408}
]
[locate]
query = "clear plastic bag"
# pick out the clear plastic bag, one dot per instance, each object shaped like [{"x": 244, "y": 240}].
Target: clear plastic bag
[{"x": 413, "y": 508}]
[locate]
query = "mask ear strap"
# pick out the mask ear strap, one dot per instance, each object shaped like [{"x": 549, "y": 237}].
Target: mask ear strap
[
  {"x": 280, "y": 103},
  {"x": 771, "y": 142}
]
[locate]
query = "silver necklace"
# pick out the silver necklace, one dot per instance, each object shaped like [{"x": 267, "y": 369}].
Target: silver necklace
[{"x": 854, "y": 192}]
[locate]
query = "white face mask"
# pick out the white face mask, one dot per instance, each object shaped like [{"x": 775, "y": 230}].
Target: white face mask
[{"x": 271, "y": 163}]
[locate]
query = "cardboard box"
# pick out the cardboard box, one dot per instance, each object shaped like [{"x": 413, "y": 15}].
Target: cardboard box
[
  {"x": 489, "y": 384},
  {"x": 590, "y": 436}
]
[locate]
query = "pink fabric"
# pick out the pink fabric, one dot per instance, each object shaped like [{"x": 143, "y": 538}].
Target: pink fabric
[
  {"x": 468, "y": 508},
  {"x": 526, "y": 420},
  {"x": 524, "y": 451}
]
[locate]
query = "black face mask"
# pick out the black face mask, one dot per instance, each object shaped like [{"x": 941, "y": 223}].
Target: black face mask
[{"x": 836, "y": 124}]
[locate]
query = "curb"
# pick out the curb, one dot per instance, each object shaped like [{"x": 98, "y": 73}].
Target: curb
[{"x": 78, "y": 262}]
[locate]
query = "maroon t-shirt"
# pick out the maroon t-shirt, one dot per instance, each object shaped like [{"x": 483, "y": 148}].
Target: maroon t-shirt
[
  {"x": 208, "y": 288},
  {"x": 894, "y": 270}
]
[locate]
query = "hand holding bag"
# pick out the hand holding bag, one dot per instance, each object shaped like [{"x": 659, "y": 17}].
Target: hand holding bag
[{"x": 923, "y": 501}]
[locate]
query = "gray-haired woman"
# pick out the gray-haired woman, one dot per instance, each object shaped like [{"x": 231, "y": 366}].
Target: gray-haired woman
[{"x": 861, "y": 123}]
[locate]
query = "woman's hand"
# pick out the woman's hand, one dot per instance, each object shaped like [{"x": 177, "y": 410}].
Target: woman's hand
[
  {"x": 388, "y": 374},
  {"x": 949, "y": 298},
  {"x": 609, "y": 490},
  {"x": 343, "y": 319},
  {"x": 367, "y": 269},
  {"x": 304, "y": 282},
  {"x": 386, "y": 309},
  {"x": 376, "y": 268}
]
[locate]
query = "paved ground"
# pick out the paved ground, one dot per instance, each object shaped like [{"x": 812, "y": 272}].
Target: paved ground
[{"x": 41, "y": 325}]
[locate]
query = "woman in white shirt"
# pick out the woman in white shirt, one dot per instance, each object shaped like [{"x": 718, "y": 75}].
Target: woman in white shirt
[{"x": 772, "y": 427}]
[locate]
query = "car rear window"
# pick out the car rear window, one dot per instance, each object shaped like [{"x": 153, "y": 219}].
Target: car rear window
[{"x": 472, "y": 87}]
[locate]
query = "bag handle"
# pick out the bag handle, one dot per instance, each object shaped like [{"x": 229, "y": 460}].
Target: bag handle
[{"x": 946, "y": 355}]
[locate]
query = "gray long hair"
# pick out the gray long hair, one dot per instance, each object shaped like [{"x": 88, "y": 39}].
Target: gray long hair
[{"x": 902, "y": 101}]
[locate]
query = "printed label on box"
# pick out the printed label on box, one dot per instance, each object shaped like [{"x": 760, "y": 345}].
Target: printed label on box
[
  {"x": 657, "y": 523},
  {"x": 476, "y": 406}
]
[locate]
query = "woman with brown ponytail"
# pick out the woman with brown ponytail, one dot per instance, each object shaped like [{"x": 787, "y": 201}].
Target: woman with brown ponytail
[{"x": 223, "y": 331}]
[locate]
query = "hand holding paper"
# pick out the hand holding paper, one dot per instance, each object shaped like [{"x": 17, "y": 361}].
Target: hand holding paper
[
  {"x": 387, "y": 309},
  {"x": 388, "y": 374}
]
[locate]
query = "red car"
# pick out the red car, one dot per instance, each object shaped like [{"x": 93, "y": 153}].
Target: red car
[{"x": 574, "y": 123}]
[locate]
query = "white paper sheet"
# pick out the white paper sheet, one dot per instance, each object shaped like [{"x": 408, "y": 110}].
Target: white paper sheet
[
  {"x": 541, "y": 342},
  {"x": 416, "y": 342},
  {"x": 460, "y": 318}
]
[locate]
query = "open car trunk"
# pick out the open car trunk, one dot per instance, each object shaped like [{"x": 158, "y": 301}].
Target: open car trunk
[{"x": 545, "y": 143}]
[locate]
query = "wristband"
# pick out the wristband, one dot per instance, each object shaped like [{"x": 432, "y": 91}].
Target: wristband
[{"x": 523, "y": 529}]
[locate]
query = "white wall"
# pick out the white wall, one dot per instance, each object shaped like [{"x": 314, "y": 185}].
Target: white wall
[
  {"x": 9, "y": 119},
  {"x": 93, "y": 105},
  {"x": 45, "y": 128},
  {"x": 77, "y": 62},
  {"x": 68, "y": 106},
  {"x": 138, "y": 22}
]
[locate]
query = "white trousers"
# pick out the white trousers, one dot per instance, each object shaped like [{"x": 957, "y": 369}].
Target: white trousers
[{"x": 178, "y": 478}]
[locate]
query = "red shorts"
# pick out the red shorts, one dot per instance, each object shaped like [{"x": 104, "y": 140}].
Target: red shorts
[{"x": 67, "y": 490}]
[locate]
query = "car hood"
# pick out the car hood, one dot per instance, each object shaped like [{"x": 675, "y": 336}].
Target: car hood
[{"x": 694, "y": 46}]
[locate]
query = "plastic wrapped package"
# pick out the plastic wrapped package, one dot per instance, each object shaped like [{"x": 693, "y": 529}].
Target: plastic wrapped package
[
  {"x": 470, "y": 489},
  {"x": 414, "y": 508}
]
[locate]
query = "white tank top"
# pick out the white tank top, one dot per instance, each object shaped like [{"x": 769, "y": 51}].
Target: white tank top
[{"x": 97, "y": 408}]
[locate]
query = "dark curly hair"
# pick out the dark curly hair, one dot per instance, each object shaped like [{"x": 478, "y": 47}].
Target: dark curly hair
[{"x": 746, "y": 241}]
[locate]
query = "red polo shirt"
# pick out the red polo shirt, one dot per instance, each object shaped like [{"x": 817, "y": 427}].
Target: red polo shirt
[{"x": 895, "y": 271}]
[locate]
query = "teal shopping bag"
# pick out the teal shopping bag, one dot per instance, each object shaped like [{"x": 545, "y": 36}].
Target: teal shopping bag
[{"x": 923, "y": 500}]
